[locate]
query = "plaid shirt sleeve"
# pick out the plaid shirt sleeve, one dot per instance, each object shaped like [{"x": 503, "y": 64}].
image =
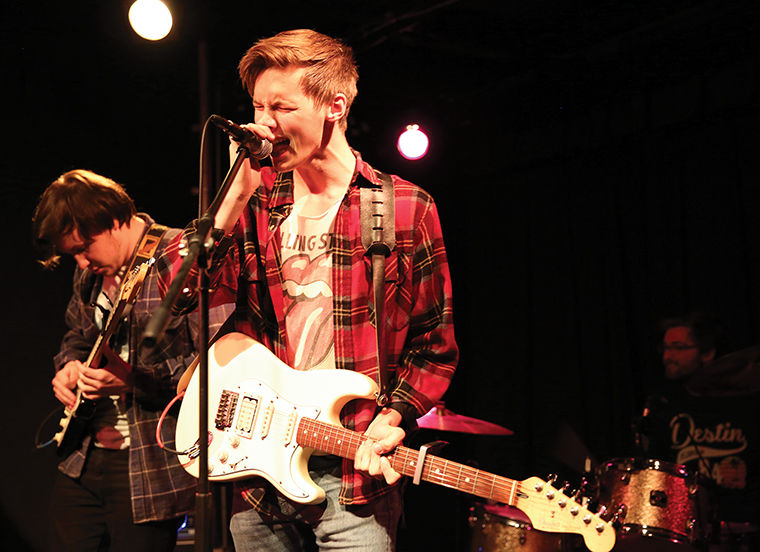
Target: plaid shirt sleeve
[
  {"x": 422, "y": 353},
  {"x": 429, "y": 354}
]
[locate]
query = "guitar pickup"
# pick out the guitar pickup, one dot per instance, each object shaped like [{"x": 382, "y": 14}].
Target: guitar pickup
[
  {"x": 246, "y": 416},
  {"x": 86, "y": 409},
  {"x": 225, "y": 412}
]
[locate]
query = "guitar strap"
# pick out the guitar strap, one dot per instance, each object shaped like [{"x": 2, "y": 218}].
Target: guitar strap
[
  {"x": 378, "y": 229},
  {"x": 144, "y": 253},
  {"x": 147, "y": 247}
]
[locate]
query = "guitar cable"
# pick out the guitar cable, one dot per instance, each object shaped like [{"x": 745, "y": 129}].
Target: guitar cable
[
  {"x": 160, "y": 441},
  {"x": 37, "y": 443}
]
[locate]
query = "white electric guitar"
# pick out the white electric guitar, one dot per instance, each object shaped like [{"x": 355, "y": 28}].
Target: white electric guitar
[{"x": 266, "y": 419}]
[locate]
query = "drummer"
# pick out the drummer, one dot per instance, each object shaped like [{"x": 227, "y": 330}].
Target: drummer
[{"x": 701, "y": 421}]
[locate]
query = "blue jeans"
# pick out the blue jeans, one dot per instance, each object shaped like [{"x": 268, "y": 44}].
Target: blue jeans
[{"x": 366, "y": 527}]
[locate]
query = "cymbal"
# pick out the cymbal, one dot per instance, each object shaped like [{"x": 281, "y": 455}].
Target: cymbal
[
  {"x": 443, "y": 419},
  {"x": 736, "y": 373}
]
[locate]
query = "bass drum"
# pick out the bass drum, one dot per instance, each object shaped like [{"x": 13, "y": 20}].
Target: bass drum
[
  {"x": 662, "y": 506},
  {"x": 499, "y": 528}
]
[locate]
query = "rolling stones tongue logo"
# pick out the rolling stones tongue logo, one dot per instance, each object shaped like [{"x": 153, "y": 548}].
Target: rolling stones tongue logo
[{"x": 308, "y": 309}]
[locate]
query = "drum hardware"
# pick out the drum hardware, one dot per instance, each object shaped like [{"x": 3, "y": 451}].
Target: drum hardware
[
  {"x": 693, "y": 483},
  {"x": 658, "y": 498},
  {"x": 620, "y": 513},
  {"x": 691, "y": 525}
]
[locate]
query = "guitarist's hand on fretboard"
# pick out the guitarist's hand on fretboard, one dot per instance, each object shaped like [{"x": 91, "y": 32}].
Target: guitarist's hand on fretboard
[
  {"x": 384, "y": 436},
  {"x": 114, "y": 377}
]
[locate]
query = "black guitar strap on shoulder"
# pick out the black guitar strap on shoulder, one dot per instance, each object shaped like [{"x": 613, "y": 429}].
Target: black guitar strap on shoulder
[{"x": 377, "y": 211}]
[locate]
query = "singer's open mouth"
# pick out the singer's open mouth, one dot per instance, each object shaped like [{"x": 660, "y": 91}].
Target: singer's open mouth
[{"x": 280, "y": 145}]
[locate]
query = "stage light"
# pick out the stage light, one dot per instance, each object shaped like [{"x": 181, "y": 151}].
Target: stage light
[
  {"x": 151, "y": 19},
  {"x": 413, "y": 143}
]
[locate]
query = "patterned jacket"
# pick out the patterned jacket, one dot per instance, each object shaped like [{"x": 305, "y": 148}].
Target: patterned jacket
[{"x": 160, "y": 487}]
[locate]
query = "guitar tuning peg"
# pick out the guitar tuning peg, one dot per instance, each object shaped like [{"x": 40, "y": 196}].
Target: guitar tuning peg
[
  {"x": 551, "y": 478},
  {"x": 601, "y": 511},
  {"x": 620, "y": 512}
]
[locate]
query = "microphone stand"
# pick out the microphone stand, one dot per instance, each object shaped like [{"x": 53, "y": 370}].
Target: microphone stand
[{"x": 198, "y": 249}]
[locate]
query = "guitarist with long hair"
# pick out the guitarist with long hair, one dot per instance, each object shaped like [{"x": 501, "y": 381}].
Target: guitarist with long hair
[{"x": 115, "y": 489}]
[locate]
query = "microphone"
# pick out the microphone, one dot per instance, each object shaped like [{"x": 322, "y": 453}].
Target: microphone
[{"x": 259, "y": 148}]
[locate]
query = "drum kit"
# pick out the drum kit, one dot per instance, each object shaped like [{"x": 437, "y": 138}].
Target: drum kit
[{"x": 657, "y": 506}]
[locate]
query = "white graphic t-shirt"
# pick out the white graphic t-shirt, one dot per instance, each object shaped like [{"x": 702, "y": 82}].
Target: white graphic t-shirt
[{"x": 307, "y": 283}]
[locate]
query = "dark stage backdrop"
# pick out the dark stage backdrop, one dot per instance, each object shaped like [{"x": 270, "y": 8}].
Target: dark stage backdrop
[{"x": 581, "y": 201}]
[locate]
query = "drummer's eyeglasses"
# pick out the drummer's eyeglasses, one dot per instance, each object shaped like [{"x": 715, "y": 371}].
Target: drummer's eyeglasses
[{"x": 676, "y": 347}]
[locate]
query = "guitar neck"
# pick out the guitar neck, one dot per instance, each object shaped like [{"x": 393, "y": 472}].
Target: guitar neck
[
  {"x": 344, "y": 443},
  {"x": 94, "y": 357}
]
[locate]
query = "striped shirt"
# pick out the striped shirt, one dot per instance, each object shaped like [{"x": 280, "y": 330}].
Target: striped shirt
[{"x": 246, "y": 269}]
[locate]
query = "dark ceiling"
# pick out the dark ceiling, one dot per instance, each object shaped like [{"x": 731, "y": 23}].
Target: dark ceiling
[{"x": 466, "y": 69}]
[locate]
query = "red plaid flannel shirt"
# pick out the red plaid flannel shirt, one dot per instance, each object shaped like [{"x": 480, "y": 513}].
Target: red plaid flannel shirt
[{"x": 421, "y": 349}]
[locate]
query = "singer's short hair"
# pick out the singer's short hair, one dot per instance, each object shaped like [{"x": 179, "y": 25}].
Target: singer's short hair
[
  {"x": 330, "y": 65},
  {"x": 81, "y": 200}
]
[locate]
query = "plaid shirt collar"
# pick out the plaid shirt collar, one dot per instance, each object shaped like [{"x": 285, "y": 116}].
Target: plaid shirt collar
[{"x": 282, "y": 189}]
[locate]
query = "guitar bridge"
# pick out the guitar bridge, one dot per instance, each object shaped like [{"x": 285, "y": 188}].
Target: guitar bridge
[{"x": 226, "y": 409}]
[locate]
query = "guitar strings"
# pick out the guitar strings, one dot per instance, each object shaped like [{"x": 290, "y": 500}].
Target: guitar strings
[{"x": 451, "y": 474}]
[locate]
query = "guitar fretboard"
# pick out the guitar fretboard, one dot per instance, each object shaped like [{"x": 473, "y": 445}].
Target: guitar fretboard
[{"x": 344, "y": 443}]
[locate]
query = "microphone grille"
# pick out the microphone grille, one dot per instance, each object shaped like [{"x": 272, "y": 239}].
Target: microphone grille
[{"x": 264, "y": 150}]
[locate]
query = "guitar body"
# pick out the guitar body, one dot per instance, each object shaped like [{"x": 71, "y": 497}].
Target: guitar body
[
  {"x": 73, "y": 426},
  {"x": 252, "y": 425}
]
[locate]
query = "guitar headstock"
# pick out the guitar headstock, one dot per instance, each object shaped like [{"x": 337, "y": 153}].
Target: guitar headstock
[
  {"x": 551, "y": 510},
  {"x": 130, "y": 286}
]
